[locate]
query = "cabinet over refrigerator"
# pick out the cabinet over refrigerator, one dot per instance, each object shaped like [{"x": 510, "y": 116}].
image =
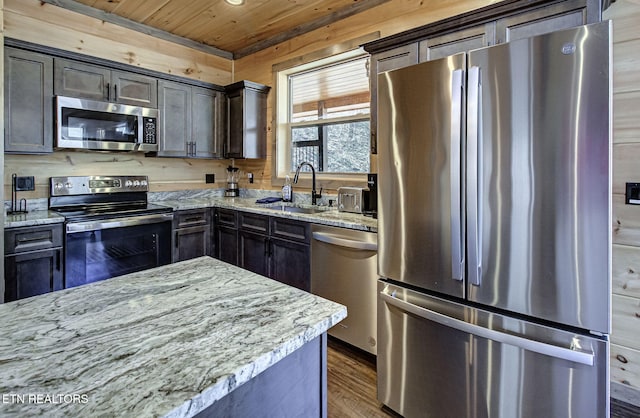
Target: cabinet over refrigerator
[{"x": 495, "y": 230}]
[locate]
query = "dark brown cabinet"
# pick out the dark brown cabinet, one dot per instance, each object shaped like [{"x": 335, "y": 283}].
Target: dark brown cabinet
[
  {"x": 225, "y": 235},
  {"x": 78, "y": 79},
  {"x": 28, "y": 102},
  {"x": 33, "y": 261},
  {"x": 191, "y": 121},
  {"x": 191, "y": 234},
  {"x": 246, "y": 120},
  {"x": 275, "y": 247}
]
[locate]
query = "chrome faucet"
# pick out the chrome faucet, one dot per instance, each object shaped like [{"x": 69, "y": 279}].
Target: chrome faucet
[{"x": 314, "y": 196}]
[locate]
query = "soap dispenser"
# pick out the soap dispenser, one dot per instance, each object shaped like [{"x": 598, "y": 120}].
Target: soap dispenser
[{"x": 287, "y": 190}]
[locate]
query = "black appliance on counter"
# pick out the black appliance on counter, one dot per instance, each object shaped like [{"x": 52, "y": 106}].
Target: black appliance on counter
[
  {"x": 110, "y": 228},
  {"x": 370, "y": 197}
]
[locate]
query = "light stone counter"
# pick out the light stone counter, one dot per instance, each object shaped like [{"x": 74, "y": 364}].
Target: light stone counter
[
  {"x": 169, "y": 341},
  {"x": 327, "y": 216},
  {"x": 33, "y": 218}
]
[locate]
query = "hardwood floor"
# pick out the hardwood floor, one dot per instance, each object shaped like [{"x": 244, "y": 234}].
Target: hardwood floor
[{"x": 351, "y": 382}]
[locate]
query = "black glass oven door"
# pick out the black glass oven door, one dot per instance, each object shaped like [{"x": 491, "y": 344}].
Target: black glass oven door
[{"x": 101, "y": 254}]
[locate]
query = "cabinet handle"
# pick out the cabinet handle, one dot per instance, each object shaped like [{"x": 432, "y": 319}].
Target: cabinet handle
[
  {"x": 266, "y": 247},
  {"x": 195, "y": 149},
  {"x": 177, "y": 239},
  {"x": 115, "y": 92},
  {"x": 108, "y": 92}
]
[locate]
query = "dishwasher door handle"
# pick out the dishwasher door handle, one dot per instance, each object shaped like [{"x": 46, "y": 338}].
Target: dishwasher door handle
[{"x": 345, "y": 242}]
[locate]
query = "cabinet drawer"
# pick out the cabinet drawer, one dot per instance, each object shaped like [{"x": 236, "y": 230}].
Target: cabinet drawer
[
  {"x": 290, "y": 229},
  {"x": 254, "y": 222},
  {"x": 20, "y": 240},
  {"x": 227, "y": 217},
  {"x": 189, "y": 218}
]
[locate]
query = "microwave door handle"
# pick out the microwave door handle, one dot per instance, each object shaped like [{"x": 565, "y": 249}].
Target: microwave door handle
[
  {"x": 474, "y": 175},
  {"x": 563, "y": 353},
  {"x": 457, "y": 261}
]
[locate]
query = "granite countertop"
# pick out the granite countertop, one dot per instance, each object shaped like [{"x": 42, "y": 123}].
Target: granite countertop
[
  {"x": 163, "y": 342},
  {"x": 327, "y": 216},
  {"x": 33, "y": 218}
]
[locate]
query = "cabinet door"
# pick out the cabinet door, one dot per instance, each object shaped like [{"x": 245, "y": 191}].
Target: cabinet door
[
  {"x": 134, "y": 89},
  {"x": 392, "y": 59},
  {"x": 226, "y": 241},
  {"x": 205, "y": 136},
  {"x": 454, "y": 43},
  {"x": 290, "y": 263},
  {"x": 28, "y": 102},
  {"x": 77, "y": 79},
  {"x": 234, "y": 148},
  {"x": 174, "y": 103},
  {"x": 32, "y": 274},
  {"x": 563, "y": 15},
  {"x": 191, "y": 243},
  {"x": 253, "y": 252}
]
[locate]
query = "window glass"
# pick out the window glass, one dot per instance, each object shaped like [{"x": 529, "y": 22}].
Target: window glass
[{"x": 328, "y": 116}]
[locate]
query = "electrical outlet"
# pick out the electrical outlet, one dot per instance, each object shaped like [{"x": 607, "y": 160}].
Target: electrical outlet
[
  {"x": 209, "y": 178},
  {"x": 25, "y": 183},
  {"x": 250, "y": 176}
]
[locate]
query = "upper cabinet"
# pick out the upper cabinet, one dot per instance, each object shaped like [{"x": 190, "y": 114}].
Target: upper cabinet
[
  {"x": 28, "y": 102},
  {"x": 77, "y": 79},
  {"x": 191, "y": 121},
  {"x": 246, "y": 120},
  {"x": 498, "y": 23}
]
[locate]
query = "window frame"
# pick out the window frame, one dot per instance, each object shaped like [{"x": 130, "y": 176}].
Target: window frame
[{"x": 283, "y": 146}]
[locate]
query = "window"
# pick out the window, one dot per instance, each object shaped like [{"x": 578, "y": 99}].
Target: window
[{"x": 323, "y": 115}]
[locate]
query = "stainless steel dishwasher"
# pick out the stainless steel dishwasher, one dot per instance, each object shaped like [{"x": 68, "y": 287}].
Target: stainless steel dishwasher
[{"x": 344, "y": 270}]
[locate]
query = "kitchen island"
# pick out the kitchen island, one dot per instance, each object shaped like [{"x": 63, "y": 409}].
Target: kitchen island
[{"x": 195, "y": 337}]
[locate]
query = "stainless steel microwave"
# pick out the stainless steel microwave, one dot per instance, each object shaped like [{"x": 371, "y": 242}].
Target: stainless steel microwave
[{"x": 95, "y": 125}]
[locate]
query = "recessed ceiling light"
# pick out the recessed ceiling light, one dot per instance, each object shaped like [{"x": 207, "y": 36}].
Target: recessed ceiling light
[{"x": 235, "y": 2}]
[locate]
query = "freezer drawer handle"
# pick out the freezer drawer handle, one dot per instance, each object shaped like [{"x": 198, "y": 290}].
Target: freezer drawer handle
[
  {"x": 529, "y": 345},
  {"x": 344, "y": 242}
]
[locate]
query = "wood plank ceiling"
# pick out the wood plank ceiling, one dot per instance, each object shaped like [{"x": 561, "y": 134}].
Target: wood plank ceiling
[{"x": 236, "y": 30}]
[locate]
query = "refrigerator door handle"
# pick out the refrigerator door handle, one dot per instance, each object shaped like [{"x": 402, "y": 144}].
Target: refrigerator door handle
[
  {"x": 474, "y": 175},
  {"x": 568, "y": 354},
  {"x": 457, "y": 261}
]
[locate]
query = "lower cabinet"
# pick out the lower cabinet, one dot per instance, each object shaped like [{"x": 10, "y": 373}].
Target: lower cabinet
[
  {"x": 33, "y": 261},
  {"x": 274, "y": 247},
  {"x": 225, "y": 235},
  {"x": 191, "y": 234}
]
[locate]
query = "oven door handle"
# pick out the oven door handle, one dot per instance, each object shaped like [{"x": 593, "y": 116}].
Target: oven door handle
[{"x": 118, "y": 222}]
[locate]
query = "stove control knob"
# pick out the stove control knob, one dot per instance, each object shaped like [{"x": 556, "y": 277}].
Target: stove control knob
[
  {"x": 136, "y": 183},
  {"x": 143, "y": 183},
  {"x": 58, "y": 186},
  {"x": 128, "y": 183},
  {"x": 69, "y": 185}
]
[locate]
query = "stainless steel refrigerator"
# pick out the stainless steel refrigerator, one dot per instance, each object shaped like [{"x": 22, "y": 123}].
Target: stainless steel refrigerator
[{"x": 495, "y": 230}]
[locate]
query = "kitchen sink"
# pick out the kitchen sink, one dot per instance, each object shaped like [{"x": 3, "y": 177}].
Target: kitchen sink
[{"x": 295, "y": 209}]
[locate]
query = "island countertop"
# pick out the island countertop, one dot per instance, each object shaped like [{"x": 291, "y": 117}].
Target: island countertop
[{"x": 169, "y": 341}]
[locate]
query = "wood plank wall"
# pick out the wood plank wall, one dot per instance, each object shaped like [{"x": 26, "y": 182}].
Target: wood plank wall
[
  {"x": 387, "y": 19},
  {"x": 45, "y": 24},
  {"x": 625, "y": 338}
]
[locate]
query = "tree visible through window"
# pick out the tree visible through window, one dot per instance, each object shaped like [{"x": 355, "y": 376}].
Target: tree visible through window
[{"x": 329, "y": 117}]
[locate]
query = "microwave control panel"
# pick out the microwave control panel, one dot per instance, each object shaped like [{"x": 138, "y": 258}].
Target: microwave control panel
[{"x": 149, "y": 130}]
